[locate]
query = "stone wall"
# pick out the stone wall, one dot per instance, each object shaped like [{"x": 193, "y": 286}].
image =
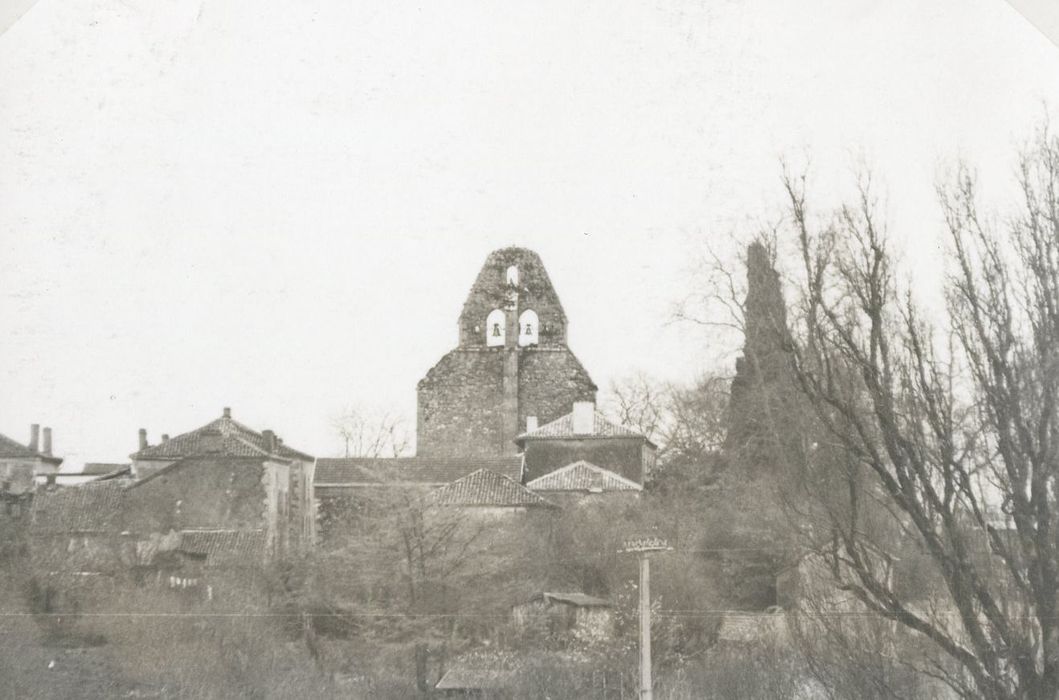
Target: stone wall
[
  {"x": 464, "y": 409},
  {"x": 551, "y": 380},
  {"x": 459, "y": 405},
  {"x": 460, "y": 401},
  {"x": 227, "y": 493},
  {"x": 491, "y": 291}
]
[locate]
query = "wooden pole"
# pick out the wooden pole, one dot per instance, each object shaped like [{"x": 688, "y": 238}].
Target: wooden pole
[
  {"x": 646, "y": 692},
  {"x": 643, "y": 546}
]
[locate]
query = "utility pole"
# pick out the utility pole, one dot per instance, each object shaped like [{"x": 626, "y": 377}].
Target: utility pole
[{"x": 644, "y": 546}]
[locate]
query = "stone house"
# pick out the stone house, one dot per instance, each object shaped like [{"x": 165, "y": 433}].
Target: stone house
[
  {"x": 23, "y": 466},
  {"x": 584, "y": 617},
  {"x": 584, "y": 434},
  {"x": 512, "y": 365},
  {"x": 188, "y": 522},
  {"x": 224, "y": 438}
]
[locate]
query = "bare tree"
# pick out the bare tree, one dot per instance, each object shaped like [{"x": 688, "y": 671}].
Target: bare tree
[
  {"x": 423, "y": 580},
  {"x": 687, "y": 422},
  {"x": 938, "y": 436},
  {"x": 371, "y": 434}
]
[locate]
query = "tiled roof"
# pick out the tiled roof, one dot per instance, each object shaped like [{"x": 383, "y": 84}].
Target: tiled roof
[
  {"x": 564, "y": 428},
  {"x": 583, "y": 476},
  {"x": 581, "y": 600},
  {"x": 476, "y": 679},
  {"x": 88, "y": 508},
  {"x": 222, "y": 436},
  {"x": 10, "y": 448},
  {"x": 225, "y": 546},
  {"x": 213, "y": 462},
  {"x": 415, "y": 470},
  {"x": 99, "y": 468},
  {"x": 16, "y": 450},
  {"x": 487, "y": 488}
]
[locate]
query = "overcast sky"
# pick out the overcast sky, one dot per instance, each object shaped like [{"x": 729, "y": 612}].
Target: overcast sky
[{"x": 280, "y": 207}]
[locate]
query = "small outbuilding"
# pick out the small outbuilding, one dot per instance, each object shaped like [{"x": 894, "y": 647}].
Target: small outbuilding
[{"x": 585, "y": 617}]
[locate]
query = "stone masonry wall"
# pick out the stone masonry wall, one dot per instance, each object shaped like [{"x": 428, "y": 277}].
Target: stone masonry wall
[
  {"x": 550, "y": 381},
  {"x": 535, "y": 292},
  {"x": 229, "y": 495},
  {"x": 461, "y": 398},
  {"x": 459, "y": 405},
  {"x": 468, "y": 403}
]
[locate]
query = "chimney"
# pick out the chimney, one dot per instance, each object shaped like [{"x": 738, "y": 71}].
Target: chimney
[
  {"x": 584, "y": 417},
  {"x": 46, "y": 446},
  {"x": 531, "y": 423},
  {"x": 34, "y": 437},
  {"x": 165, "y": 437},
  {"x": 270, "y": 440},
  {"x": 227, "y": 412},
  {"x": 143, "y": 438}
]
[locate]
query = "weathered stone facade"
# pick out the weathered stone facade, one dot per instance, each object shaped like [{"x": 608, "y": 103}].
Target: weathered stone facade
[
  {"x": 225, "y": 437},
  {"x": 198, "y": 511},
  {"x": 512, "y": 363}
]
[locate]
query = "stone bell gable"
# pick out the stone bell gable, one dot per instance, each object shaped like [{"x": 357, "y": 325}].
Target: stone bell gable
[
  {"x": 511, "y": 370},
  {"x": 513, "y": 275}
]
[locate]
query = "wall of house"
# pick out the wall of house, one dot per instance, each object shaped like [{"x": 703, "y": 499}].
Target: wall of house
[
  {"x": 16, "y": 475},
  {"x": 143, "y": 468},
  {"x": 227, "y": 494},
  {"x": 620, "y": 455},
  {"x": 616, "y": 501}
]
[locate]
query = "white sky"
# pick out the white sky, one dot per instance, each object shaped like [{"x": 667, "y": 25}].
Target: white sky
[{"x": 280, "y": 207}]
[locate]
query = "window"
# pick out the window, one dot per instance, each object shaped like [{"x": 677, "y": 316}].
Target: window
[
  {"x": 512, "y": 275},
  {"x": 528, "y": 328},
  {"x": 495, "y": 328}
]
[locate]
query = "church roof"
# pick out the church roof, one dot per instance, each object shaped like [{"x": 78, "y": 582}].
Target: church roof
[
  {"x": 487, "y": 488},
  {"x": 222, "y": 436},
  {"x": 410, "y": 470},
  {"x": 563, "y": 427},
  {"x": 583, "y": 476}
]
